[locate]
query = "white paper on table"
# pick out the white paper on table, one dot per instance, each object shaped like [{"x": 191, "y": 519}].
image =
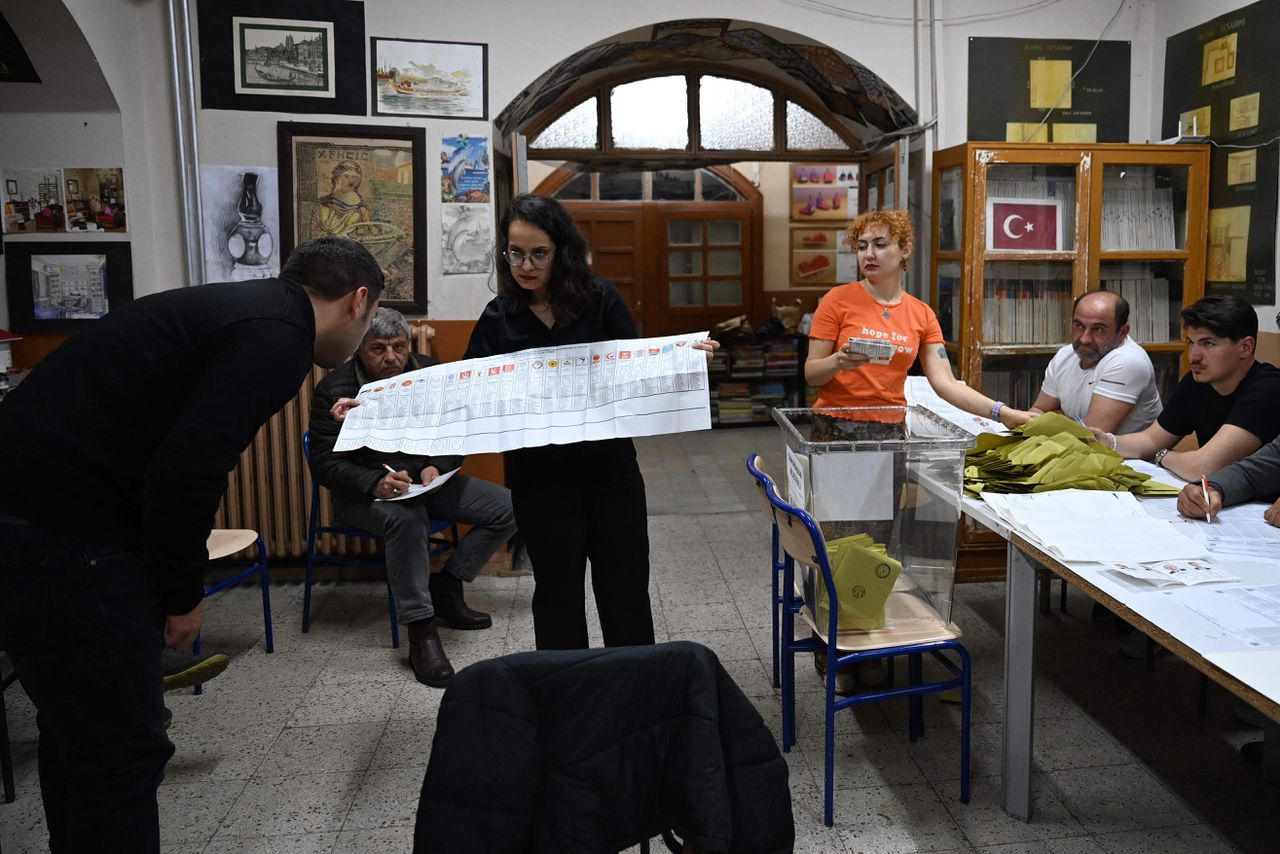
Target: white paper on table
[
  {"x": 1181, "y": 573},
  {"x": 1125, "y": 539},
  {"x": 1157, "y": 474},
  {"x": 416, "y": 489},
  {"x": 1080, "y": 505},
  {"x": 1250, "y": 615},
  {"x": 539, "y": 396}
]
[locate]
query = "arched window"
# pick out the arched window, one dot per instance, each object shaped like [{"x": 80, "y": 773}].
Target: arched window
[{"x": 660, "y": 185}]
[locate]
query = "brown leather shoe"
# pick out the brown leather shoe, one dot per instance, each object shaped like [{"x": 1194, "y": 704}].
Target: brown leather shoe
[
  {"x": 456, "y": 614},
  {"x": 430, "y": 665}
]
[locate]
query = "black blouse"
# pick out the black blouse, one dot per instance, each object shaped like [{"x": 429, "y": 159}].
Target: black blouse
[{"x": 604, "y": 317}]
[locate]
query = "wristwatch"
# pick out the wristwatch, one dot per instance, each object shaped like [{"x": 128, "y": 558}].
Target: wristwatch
[{"x": 1158, "y": 459}]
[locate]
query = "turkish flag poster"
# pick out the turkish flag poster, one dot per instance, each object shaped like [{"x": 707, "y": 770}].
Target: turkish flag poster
[{"x": 1024, "y": 225}]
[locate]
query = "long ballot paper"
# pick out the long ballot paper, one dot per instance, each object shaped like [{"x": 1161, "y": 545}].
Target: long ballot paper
[{"x": 540, "y": 396}]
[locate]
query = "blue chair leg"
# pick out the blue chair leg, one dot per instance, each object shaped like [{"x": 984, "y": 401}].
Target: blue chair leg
[
  {"x": 915, "y": 703},
  {"x": 788, "y": 678},
  {"x": 264, "y": 579},
  {"x": 306, "y": 591},
  {"x": 775, "y": 604},
  {"x": 829, "y": 745},
  {"x": 195, "y": 649},
  {"x": 965, "y": 699}
]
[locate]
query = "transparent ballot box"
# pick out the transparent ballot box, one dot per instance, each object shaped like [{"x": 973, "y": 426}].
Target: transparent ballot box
[{"x": 884, "y": 485}]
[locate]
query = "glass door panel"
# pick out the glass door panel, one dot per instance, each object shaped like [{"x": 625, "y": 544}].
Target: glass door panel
[
  {"x": 1031, "y": 207},
  {"x": 1026, "y": 302},
  {"x": 1144, "y": 208},
  {"x": 1153, "y": 290}
]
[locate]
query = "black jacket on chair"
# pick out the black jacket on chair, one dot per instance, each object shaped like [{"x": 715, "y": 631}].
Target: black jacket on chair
[{"x": 592, "y": 751}]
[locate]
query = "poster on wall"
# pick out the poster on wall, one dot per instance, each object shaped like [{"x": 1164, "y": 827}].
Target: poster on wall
[
  {"x": 358, "y": 181},
  {"x": 466, "y": 238},
  {"x": 95, "y": 199},
  {"x": 431, "y": 79},
  {"x": 283, "y": 56},
  {"x": 821, "y": 257},
  {"x": 69, "y": 284},
  {"x": 464, "y": 169},
  {"x": 1081, "y": 85},
  {"x": 33, "y": 200},
  {"x": 1219, "y": 82},
  {"x": 240, "y": 210}
]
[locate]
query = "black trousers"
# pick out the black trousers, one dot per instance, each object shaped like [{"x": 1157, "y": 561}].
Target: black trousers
[
  {"x": 84, "y": 629},
  {"x": 578, "y": 510}
]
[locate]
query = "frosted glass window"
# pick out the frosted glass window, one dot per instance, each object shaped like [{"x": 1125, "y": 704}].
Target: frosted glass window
[
  {"x": 652, "y": 113},
  {"x": 685, "y": 293},
  {"x": 734, "y": 115},
  {"x": 724, "y": 262},
  {"x": 724, "y": 232},
  {"x": 724, "y": 292},
  {"x": 684, "y": 231},
  {"x": 684, "y": 263},
  {"x": 621, "y": 186},
  {"x": 575, "y": 129},
  {"x": 806, "y": 131}
]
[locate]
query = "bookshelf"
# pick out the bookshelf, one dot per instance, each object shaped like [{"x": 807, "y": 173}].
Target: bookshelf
[
  {"x": 1021, "y": 229},
  {"x": 750, "y": 377}
]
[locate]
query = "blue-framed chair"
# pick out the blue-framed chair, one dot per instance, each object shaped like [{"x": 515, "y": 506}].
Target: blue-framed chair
[
  {"x": 440, "y": 543},
  {"x": 801, "y": 541},
  {"x": 222, "y": 544}
]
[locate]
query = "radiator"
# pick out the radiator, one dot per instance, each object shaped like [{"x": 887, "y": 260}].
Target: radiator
[{"x": 269, "y": 491}]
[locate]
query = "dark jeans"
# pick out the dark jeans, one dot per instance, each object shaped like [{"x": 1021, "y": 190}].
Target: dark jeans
[
  {"x": 568, "y": 518},
  {"x": 84, "y": 629}
]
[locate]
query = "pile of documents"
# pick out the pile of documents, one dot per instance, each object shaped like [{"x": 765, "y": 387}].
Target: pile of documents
[{"x": 1051, "y": 452}]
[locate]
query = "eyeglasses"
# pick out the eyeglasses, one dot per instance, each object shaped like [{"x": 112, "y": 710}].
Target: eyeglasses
[{"x": 539, "y": 257}]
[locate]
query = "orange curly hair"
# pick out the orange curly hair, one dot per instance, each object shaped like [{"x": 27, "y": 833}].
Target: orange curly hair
[{"x": 898, "y": 223}]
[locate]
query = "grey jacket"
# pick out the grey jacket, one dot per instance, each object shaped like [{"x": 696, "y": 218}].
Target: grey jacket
[{"x": 1255, "y": 478}]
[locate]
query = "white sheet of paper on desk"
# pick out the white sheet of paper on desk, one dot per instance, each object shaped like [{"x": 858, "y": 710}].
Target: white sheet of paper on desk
[
  {"x": 1240, "y": 537},
  {"x": 1179, "y": 573},
  {"x": 1020, "y": 510},
  {"x": 1124, "y": 539},
  {"x": 1250, "y": 615},
  {"x": 1257, "y": 668}
]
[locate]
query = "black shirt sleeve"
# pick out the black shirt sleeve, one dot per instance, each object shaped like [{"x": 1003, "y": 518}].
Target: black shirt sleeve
[
  {"x": 186, "y": 476},
  {"x": 1175, "y": 418}
]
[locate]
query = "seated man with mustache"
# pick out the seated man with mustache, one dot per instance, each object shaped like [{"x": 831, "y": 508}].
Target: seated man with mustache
[{"x": 1103, "y": 378}]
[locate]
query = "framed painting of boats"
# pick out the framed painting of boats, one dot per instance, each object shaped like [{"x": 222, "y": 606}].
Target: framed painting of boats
[
  {"x": 287, "y": 56},
  {"x": 366, "y": 182},
  {"x": 429, "y": 79}
]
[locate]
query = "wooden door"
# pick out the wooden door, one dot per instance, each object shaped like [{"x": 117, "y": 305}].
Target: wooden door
[
  {"x": 704, "y": 265},
  {"x": 615, "y": 236}
]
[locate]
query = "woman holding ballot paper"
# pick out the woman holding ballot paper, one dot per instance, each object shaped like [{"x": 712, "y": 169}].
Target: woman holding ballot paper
[
  {"x": 866, "y": 334},
  {"x": 582, "y": 501}
]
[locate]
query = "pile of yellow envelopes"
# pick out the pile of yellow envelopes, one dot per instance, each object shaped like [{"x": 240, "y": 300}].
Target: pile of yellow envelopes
[
  {"x": 864, "y": 575},
  {"x": 1051, "y": 452}
]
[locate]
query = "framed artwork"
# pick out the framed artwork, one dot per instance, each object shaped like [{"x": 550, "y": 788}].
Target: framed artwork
[
  {"x": 33, "y": 201},
  {"x": 464, "y": 169},
  {"x": 824, "y": 192},
  {"x": 821, "y": 256},
  {"x": 240, "y": 209},
  {"x": 365, "y": 182},
  {"x": 429, "y": 79},
  {"x": 95, "y": 199},
  {"x": 466, "y": 234},
  {"x": 286, "y": 56},
  {"x": 60, "y": 287}
]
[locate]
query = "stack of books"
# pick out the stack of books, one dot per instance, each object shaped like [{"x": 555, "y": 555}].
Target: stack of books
[
  {"x": 782, "y": 358},
  {"x": 734, "y": 404},
  {"x": 1148, "y": 298},
  {"x": 747, "y": 361},
  {"x": 1026, "y": 304},
  {"x": 1136, "y": 214}
]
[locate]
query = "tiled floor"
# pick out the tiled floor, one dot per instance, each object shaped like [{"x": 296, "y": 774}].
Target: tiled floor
[{"x": 321, "y": 746}]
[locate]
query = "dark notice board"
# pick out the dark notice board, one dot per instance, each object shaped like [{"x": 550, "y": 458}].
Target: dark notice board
[
  {"x": 1001, "y": 87},
  {"x": 1227, "y": 68}
]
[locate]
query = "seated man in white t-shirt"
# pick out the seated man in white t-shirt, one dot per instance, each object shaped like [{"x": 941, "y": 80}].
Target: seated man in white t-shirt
[{"x": 1102, "y": 377}]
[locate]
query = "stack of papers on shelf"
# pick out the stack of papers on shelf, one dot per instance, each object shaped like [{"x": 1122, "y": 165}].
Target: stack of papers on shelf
[
  {"x": 1119, "y": 531},
  {"x": 1175, "y": 573},
  {"x": 1051, "y": 452}
]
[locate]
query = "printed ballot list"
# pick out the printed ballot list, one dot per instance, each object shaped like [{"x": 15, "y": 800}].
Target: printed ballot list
[{"x": 540, "y": 396}]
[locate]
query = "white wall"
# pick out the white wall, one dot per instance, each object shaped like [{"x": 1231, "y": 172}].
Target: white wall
[{"x": 125, "y": 35}]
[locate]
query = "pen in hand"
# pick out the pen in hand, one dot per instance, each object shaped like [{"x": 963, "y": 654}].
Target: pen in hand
[{"x": 1204, "y": 488}]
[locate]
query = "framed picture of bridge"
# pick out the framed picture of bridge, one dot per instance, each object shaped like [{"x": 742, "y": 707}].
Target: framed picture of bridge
[
  {"x": 288, "y": 56},
  {"x": 429, "y": 79}
]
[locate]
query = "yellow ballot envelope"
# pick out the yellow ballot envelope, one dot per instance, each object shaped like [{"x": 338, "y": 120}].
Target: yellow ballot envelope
[{"x": 864, "y": 576}]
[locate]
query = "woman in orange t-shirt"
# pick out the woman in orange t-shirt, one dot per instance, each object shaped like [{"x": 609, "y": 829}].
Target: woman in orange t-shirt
[{"x": 877, "y": 308}]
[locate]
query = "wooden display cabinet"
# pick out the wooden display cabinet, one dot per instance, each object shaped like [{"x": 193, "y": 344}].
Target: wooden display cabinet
[{"x": 1022, "y": 229}]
